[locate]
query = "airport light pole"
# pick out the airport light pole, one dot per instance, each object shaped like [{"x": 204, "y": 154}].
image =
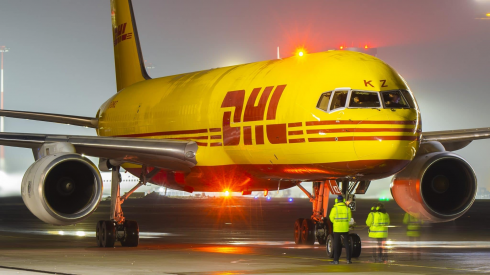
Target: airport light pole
[{"x": 3, "y": 50}]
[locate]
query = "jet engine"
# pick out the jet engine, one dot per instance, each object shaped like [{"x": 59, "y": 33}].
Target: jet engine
[
  {"x": 438, "y": 186},
  {"x": 62, "y": 188}
]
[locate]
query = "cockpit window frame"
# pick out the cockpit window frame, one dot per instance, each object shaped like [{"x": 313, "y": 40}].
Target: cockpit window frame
[
  {"x": 349, "y": 94},
  {"x": 365, "y": 91},
  {"x": 401, "y": 93},
  {"x": 328, "y": 111}
]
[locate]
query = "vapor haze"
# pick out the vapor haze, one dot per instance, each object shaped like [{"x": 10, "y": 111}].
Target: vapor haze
[{"x": 61, "y": 58}]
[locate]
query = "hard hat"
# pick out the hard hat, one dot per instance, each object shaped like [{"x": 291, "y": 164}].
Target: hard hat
[{"x": 340, "y": 198}]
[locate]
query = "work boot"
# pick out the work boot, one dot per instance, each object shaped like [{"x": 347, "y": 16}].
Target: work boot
[
  {"x": 334, "y": 262},
  {"x": 349, "y": 261}
]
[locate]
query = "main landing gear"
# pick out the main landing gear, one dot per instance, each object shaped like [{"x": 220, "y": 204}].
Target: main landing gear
[
  {"x": 108, "y": 232},
  {"x": 318, "y": 227}
]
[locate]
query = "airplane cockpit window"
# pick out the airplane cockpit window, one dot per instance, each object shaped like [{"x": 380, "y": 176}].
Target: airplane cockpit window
[
  {"x": 394, "y": 99},
  {"x": 339, "y": 99},
  {"x": 409, "y": 97},
  {"x": 360, "y": 99},
  {"x": 323, "y": 102}
]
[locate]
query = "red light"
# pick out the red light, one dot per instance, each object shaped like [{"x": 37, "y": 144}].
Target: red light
[
  {"x": 341, "y": 47},
  {"x": 365, "y": 47}
]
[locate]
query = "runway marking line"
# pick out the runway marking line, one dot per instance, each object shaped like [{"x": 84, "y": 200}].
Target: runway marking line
[{"x": 34, "y": 270}]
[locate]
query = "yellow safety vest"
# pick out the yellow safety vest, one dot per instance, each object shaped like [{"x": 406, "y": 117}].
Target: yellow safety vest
[
  {"x": 340, "y": 217},
  {"x": 379, "y": 225},
  {"x": 413, "y": 225}
]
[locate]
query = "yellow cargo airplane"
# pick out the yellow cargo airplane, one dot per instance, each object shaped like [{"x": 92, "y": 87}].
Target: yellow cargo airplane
[{"x": 338, "y": 119}]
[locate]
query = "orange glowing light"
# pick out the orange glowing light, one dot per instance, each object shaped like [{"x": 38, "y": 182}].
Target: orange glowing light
[
  {"x": 365, "y": 47},
  {"x": 227, "y": 193},
  {"x": 488, "y": 14},
  {"x": 341, "y": 47},
  {"x": 301, "y": 51},
  {"x": 225, "y": 249}
]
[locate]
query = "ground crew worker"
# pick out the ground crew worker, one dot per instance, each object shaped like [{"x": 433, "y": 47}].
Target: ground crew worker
[
  {"x": 413, "y": 233},
  {"x": 340, "y": 217},
  {"x": 378, "y": 229}
]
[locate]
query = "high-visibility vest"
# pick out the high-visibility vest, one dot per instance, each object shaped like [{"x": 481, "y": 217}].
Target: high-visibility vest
[
  {"x": 379, "y": 226},
  {"x": 340, "y": 217},
  {"x": 413, "y": 225}
]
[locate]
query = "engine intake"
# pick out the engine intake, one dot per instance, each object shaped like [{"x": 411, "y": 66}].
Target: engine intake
[
  {"x": 440, "y": 186},
  {"x": 62, "y": 189}
]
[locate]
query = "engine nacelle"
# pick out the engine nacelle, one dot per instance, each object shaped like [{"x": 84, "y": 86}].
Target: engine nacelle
[
  {"x": 62, "y": 188},
  {"x": 439, "y": 186}
]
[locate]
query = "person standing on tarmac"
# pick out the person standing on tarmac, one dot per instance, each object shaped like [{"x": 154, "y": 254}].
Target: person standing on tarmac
[
  {"x": 413, "y": 233},
  {"x": 378, "y": 229},
  {"x": 340, "y": 217}
]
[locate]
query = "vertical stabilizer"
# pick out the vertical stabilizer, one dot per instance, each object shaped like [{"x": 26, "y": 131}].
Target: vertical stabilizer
[{"x": 130, "y": 67}]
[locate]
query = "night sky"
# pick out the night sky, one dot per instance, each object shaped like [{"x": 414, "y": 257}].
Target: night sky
[{"x": 61, "y": 58}]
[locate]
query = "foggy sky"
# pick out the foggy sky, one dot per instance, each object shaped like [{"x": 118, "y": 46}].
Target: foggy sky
[{"x": 61, "y": 58}]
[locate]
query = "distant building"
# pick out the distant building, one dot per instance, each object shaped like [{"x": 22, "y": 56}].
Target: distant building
[{"x": 482, "y": 193}]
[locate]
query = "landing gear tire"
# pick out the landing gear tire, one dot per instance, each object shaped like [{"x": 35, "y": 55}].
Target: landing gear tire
[
  {"x": 106, "y": 234},
  {"x": 131, "y": 234},
  {"x": 308, "y": 232},
  {"x": 321, "y": 233},
  {"x": 329, "y": 246},
  {"x": 298, "y": 224},
  {"x": 98, "y": 230},
  {"x": 355, "y": 245}
]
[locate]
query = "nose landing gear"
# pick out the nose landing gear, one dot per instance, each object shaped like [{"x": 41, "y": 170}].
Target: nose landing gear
[{"x": 318, "y": 227}]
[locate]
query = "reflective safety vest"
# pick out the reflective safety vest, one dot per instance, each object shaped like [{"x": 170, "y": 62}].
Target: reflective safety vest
[
  {"x": 340, "y": 217},
  {"x": 378, "y": 225},
  {"x": 413, "y": 225}
]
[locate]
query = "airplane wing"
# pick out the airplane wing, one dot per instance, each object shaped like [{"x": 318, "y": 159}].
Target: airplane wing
[
  {"x": 175, "y": 155},
  {"x": 89, "y": 122},
  {"x": 454, "y": 140}
]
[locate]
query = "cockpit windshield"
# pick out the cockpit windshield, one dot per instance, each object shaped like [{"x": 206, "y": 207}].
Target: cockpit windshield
[
  {"x": 360, "y": 99},
  {"x": 394, "y": 99}
]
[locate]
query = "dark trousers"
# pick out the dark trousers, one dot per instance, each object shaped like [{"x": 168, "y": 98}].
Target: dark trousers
[
  {"x": 379, "y": 253},
  {"x": 337, "y": 245}
]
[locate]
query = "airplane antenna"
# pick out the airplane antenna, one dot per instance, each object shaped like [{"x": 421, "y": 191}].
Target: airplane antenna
[{"x": 3, "y": 49}]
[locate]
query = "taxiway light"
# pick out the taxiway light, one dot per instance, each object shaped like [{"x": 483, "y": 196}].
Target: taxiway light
[
  {"x": 268, "y": 198},
  {"x": 365, "y": 47},
  {"x": 341, "y": 47},
  {"x": 488, "y": 14},
  {"x": 290, "y": 199}
]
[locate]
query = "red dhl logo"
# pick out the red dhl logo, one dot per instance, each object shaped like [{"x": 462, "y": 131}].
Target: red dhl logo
[
  {"x": 120, "y": 34},
  {"x": 276, "y": 133}
]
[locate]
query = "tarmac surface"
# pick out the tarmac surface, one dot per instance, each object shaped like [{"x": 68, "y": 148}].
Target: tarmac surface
[{"x": 231, "y": 236}]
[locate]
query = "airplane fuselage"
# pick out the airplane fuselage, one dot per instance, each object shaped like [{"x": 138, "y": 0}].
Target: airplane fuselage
[{"x": 259, "y": 124}]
